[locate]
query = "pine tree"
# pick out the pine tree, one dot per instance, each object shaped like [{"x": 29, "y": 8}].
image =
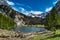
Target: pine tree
[{"x": 52, "y": 20}]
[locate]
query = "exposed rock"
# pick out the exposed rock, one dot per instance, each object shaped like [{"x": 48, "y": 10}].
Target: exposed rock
[{"x": 6, "y": 33}]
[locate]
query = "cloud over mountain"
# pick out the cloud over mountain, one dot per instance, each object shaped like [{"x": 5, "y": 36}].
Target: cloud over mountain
[
  {"x": 48, "y": 9},
  {"x": 10, "y": 3}
]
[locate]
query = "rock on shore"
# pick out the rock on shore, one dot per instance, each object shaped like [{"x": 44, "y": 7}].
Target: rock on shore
[{"x": 6, "y": 33}]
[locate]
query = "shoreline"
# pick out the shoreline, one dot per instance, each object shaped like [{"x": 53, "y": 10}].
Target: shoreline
[
  {"x": 18, "y": 35},
  {"x": 31, "y": 26}
]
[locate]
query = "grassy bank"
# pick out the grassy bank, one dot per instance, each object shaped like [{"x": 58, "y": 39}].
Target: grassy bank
[{"x": 48, "y": 37}]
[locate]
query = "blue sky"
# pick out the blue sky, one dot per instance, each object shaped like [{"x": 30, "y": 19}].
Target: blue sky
[{"x": 32, "y": 6}]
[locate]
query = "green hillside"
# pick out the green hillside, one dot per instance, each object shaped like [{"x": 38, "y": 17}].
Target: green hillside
[
  {"x": 6, "y": 22},
  {"x": 58, "y": 20}
]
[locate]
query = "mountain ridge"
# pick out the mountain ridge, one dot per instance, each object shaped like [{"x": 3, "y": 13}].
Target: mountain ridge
[{"x": 18, "y": 17}]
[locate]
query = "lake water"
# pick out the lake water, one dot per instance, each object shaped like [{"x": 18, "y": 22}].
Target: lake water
[{"x": 29, "y": 29}]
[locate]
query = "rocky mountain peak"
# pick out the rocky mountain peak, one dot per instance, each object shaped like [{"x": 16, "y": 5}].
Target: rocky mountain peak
[{"x": 3, "y": 2}]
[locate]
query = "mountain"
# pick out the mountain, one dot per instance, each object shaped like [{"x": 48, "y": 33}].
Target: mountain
[
  {"x": 37, "y": 15},
  {"x": 11, "y": 13},
  {"x": 17, "y": 17}
]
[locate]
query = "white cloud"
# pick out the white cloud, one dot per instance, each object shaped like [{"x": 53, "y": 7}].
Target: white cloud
[
  {"x": 24, "y": 11},
  {"x": 55, "y": 2},
  {"x": 48, "y": 9},
  {"x": 10, "y": 3},
  {"x": 36, "y": 12},
  {"x": 15, "y": 9}
]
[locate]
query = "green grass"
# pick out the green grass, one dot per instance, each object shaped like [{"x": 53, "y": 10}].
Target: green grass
[
  {"x": 6, "y": 22},
  {"x": 47, "y": 37}
]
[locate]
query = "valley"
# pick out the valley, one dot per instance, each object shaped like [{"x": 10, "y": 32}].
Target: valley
[{"x": 16, "y": 25}]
